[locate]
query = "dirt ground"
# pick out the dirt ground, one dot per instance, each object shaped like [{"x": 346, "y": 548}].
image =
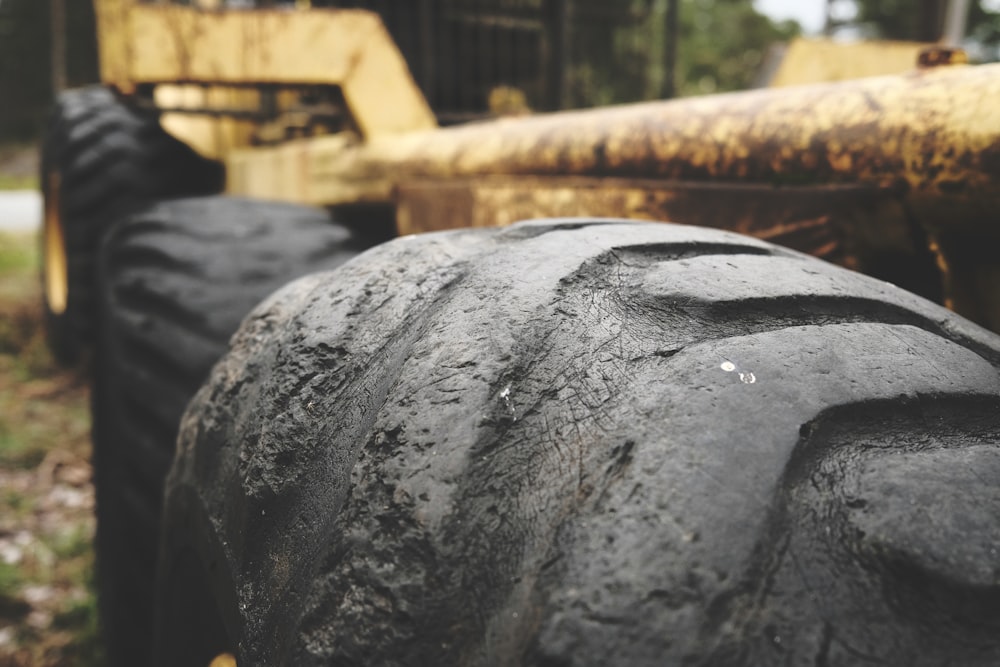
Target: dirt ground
[
  {"x": 18, "y": 167},
  {"x": 47, "y": 605}
]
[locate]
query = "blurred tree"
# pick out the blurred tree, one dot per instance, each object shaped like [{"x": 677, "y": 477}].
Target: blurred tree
[
  {"x": 612, "y": 52},
  {"x": 723, "y": 43},
  {"x": 924, "y": 21},
  {"x": 25, "y": 87},
  {"x": 984, "y": 28},
  {"x": 921, "y": 21}
]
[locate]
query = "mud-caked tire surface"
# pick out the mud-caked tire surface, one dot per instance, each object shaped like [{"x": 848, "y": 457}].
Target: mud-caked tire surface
[
  {"x": 176, "y": 280},
  {"x": 100, "y": 161},
  {"x": 573, "y": 443}
]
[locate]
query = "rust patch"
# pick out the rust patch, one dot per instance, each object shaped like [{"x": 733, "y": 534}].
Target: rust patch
[
  {"x": 920, "y": 134},
  {"x": 812, "y": 219},
  {"x": 937, "y": 56}
]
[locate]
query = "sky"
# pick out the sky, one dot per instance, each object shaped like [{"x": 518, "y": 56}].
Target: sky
[{"x": 809, "y": 13}]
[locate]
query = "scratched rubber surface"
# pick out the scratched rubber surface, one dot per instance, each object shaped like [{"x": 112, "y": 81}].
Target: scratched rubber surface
[{"x": 593, "y": 443}]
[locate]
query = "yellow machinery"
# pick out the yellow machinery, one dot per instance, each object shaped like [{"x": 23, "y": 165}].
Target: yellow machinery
[
  {"x": 815, "y": 60},
  {"x": 811, "y": 167},
  {"x": 896, "y": 176}
]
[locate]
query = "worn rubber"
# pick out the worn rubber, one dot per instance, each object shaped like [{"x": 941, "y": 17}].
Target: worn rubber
[
  {"x": 176, "y": 280},
  {"x": 589, "y": 443},
  {"x": 112, "y": 160}
]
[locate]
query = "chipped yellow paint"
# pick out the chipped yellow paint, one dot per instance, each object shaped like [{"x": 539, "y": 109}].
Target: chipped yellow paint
[
  {"x": 938, "y": 56},
  {"x": 932, "y": 136},
  {"x": 929, "y": 139},
  {"x": 166, "y": 43},
  {"x": 809, "y": 219},
  {"x": 926, "y": 142},
  {"x": 114, "y": 41}
]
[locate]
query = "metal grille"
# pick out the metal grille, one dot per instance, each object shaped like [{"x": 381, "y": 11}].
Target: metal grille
[
  {"x": 468, "y": 55},
  {"x": 471, "y": 56}
]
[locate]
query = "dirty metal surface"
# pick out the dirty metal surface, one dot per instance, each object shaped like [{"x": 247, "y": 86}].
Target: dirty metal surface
[
  {"x": 811, "y": 60},
  {"x": 931, "y": 132},
  {"x": 859, "y": 227},
  {"x": 155, "y": 44},
  {"x": 810, "y": 219}
]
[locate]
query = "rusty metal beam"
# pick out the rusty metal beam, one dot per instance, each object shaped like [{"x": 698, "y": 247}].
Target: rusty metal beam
[
  {"x": 862, "y": 227},
  {"x": 816, "y": 220},
  {"x": 933, "y": 136}
]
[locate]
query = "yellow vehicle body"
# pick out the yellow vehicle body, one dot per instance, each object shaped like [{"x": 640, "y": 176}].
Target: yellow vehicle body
[
  {"x": 896, "y": 175},
  {"x": 150, "y": 44},
  {"x": 815, "y": 60},
  {"x": 852, "y": 171}
]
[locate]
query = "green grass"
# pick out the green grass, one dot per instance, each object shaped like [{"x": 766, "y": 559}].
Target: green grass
[
  {"x": 9, "y": 182},
  {"x": 72, "y": 543},
  {"x": 28, "y": 375},
  {"x": 18, "y": 166},
  {"x": 21, "y": 335},
  {"x": 74, "y": 563},
  {"x": 80, "y": 621},
  {"x": 36, "y": 411},
  {"x": 10, "y": 579},
  {"x": 18, "y": 253},
  {"x": 17, "y": 503},
  {"x": 43, "y": 411},
  {"x": 19, "y": 277}
]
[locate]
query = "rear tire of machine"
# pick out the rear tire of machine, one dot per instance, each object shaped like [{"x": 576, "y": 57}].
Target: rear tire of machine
[{"x": 100, "y": 161}]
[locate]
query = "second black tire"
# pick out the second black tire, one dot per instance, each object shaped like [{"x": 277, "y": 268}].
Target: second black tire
[
  {"x": 101, "y": 160},
  {"x": 589, "y": 443},
  {"x": 176, "y": 279}
]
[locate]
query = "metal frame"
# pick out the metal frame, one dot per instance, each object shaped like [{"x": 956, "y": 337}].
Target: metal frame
[
  {"x": 903, "y": 164},
  {"x": 148, "y": 45}
]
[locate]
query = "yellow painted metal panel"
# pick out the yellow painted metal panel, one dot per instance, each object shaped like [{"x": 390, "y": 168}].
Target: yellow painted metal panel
[
  {"x": 818, "y": 60},
  {"x": 346, "y": 48},
  {"x": 113, "y": 39},
  {"x": 178, "y": 43}
]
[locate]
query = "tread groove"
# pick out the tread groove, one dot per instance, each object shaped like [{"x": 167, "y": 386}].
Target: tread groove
[
  {"x": 719, "y": 320},
  {"x": 654, "y": 253},
  {"x": 144, "y": 301}
]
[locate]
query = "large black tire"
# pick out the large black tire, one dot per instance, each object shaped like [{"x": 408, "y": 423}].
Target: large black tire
[
  {"x": 577, "y": 443},
  {"x": 101, "y": 160},
  {"x": 176, "y": 280}
]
